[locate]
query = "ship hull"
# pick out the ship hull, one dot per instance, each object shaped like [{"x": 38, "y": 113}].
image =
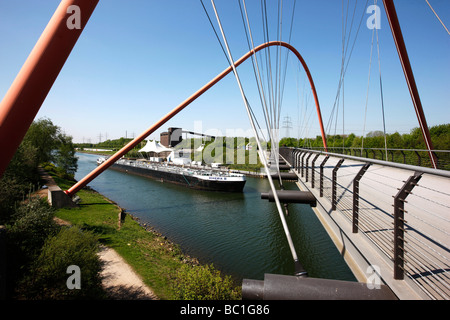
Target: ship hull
[{"x": 212, "y": 184}]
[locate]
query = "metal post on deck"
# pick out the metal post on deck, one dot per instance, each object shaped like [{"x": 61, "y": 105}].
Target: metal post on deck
[
  {"x": 296, "y": 153},
  {"x": 297, "y": 160},
  {"x": 312, "y": 169},
  {"x": 334, "y": 184},
  {"x": 399, "y": 224},
  {"x": 302, "y": 164},
  {"x": 306, "y": 168},
  {"x": 356, "y": 196},
  {"x": 321, "y": 175},
  {"x": 34, "y": 81}
]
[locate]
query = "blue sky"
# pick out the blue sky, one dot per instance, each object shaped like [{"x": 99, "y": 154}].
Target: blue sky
[{"x": 137, "y": 60}]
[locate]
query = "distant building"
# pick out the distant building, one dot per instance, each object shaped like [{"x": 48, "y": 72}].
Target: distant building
[
  {"x": 171, "y": 138},
  {"x": 175, "y": 136},
  {"x": 164, "y": 139}
]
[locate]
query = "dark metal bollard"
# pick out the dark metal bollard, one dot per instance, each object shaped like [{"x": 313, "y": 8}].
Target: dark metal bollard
[
  {"x": 283, "y": 287},
  {"x": 285, "y": 176},
  {"x": 281, "y": 167},
  {"x": 291, "y": 196}
]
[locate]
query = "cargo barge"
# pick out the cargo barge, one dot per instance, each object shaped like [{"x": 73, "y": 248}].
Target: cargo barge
[{"x": 195, "y": 178}]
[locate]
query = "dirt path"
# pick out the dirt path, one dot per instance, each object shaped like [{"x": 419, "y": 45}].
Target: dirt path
[{"x": 119, "y": 279}]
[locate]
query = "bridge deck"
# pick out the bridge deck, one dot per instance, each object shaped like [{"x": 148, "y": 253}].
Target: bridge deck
[{"x": 427, "y": 218}]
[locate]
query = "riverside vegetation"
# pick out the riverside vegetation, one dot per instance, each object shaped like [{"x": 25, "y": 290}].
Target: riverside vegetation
[
  {"x": 39, "y": 250},
  {"x": 397, "y": 144},
  {"x": 231, "y": 151}
]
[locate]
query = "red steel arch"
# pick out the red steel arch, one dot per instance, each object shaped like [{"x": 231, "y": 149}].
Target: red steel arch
[{"x": 83, "y": 182}]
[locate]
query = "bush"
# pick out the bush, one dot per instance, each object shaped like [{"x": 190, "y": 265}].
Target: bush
[
  {"x": 48, "y": 274},
  {"x": 33, "y": 223},
  {"x": 204, "y": 283}
]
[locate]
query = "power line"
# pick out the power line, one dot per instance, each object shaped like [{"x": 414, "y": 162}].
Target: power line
[{"x": 287, "y": 124}]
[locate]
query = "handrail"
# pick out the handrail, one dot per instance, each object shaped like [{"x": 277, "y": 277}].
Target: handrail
[
  {"x": 381, "y": 149},
  {"x": 405, "y": 221},
  {"x": 437, "y": 172}
]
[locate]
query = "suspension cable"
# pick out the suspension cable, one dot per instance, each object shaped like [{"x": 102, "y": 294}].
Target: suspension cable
[
  {"x": 283, "y": 220},
  {"x": 256, "y": 70},
  {"x": 381, "y": 89},
  {"x": 257, "y": 74},
  {"x": 214, "y": 29},
  {"x": 438, "y": 17},
  {"x": 367, "y": 93}
]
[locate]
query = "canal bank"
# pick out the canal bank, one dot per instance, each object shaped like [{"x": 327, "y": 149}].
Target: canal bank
[
  {"x": 133, "y": 252},
  {"x": 239, "y": 233}
]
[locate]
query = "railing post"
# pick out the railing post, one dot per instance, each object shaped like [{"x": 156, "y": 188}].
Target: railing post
[
  {"x": 334, "y": 183},
  {"x": 312, "y": 170},
  {"x": 399, "y": 224},
  {"x": 306, "y": 168},
  {"x": 297, "y": 160},
  {"x": 321, "y": 175},
  {"x": 419, "y": 158},
  {"x": 356, "y": 196},
  {"x": 292, "y": 156},
  {"x": 294, "y": 152},
  {"x": 301, "y": 163}
]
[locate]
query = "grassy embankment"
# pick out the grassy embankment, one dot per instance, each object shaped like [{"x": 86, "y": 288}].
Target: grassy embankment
[{"x": 160, "y": 263}]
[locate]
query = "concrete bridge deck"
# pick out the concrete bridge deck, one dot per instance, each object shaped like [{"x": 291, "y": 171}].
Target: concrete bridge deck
[{"x": 427, "y": 213}]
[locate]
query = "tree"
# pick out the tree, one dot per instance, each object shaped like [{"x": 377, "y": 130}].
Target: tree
[
  {"x": 43, "y": 135},
  {"x": 395, "y": 140},
  {"x": 51, "y": 145},
  {"x": 440, "y": 135},
  {"x": 64, "y": 156},
  {"x": 43, "y": 142},
  {"x": 349, "y": 140}
]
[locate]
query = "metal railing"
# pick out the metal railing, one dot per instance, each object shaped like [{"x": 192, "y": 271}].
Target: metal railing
[
  {"x": 418, "y": 157},
  {"x": 408, "y": 222}
]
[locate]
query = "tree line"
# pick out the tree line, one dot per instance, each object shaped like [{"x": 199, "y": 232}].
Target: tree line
[
  {"x": 44, "y": 143},
  {"x": 440, "y": 137},
  {"x": 397, "y": 145}
]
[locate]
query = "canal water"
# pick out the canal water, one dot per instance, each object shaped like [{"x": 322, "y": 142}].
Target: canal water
[{"x": 239, "y": 233}]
